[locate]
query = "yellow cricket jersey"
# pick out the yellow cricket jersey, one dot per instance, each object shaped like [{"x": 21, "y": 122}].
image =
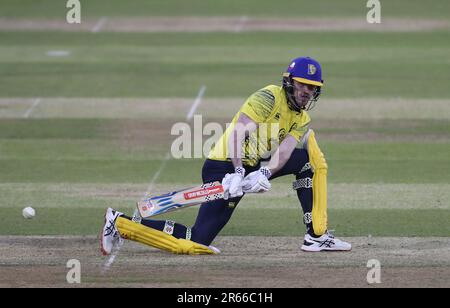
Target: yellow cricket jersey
[{"x": 269, "y": 109}]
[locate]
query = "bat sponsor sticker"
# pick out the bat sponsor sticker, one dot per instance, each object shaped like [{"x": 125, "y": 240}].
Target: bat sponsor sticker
[{"x": 203, "y": 192}]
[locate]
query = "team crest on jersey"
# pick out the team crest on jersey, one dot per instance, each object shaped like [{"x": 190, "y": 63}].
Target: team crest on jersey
[
  {"x": 281, "y": 134},
  {"x": 311, "y": 69},
  {"x": 293, "y": 127}
]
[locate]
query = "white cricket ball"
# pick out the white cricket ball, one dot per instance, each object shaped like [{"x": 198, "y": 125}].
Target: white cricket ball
[{"x": 28, "y": 212}]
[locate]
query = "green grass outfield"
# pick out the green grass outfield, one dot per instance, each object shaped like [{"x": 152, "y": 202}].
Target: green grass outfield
[
  {"x": 101, "y": 125},
  {"x": 358, "y": 64},
  {"x": 266, "y": 222}
]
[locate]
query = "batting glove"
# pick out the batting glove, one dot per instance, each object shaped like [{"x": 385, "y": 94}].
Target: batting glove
[
  {"x": 257, "y": 181},
  {"x": 232, "y": 183}
]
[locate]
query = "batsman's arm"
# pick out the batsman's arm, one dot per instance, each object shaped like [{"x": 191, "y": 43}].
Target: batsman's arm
[
  {"x": 232, "y": 182},
  {"x": 258, "y": 181},
  {"x": 243, "y": 128},
  {"x": 282, "y": 154}
]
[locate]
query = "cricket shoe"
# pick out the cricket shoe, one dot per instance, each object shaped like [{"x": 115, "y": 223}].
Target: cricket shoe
[
  {"x": 326, "y": 242},
  {"x": 110, "y": 236}
]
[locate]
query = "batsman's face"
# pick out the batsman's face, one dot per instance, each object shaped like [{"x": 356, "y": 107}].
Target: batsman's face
[{"x": 303, "y": 92}]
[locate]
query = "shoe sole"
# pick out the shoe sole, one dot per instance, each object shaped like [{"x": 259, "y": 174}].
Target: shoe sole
[{"x": 324, "y": 249}]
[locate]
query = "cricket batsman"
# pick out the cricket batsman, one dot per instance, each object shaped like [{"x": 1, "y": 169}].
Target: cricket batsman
[{"x": 269, "y": 137}]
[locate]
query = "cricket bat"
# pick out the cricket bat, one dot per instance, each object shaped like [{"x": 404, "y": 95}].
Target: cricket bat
[{"x": 180, "y": 199}]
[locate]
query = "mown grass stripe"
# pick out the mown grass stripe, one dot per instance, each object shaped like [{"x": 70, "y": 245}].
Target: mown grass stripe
[{"x": 262, "y": 222}]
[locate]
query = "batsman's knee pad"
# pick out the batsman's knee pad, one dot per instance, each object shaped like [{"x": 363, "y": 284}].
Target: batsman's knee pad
[
  {"x": 319, "y": 185},
  {"x": 158, "y": 239}
]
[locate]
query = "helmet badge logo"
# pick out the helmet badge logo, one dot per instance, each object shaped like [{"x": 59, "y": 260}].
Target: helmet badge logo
[
  {"x": 292, "y": 65},
  {"x": 311, "y": 69}
]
